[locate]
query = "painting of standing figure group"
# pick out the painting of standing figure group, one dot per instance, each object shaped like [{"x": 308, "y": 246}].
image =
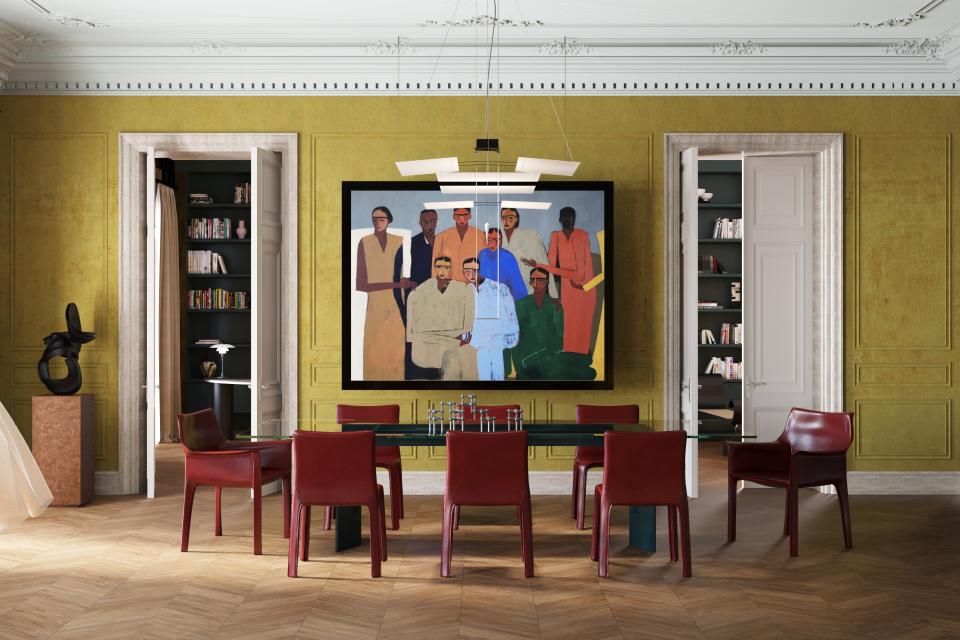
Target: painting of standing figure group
[{"x": 476, "y": 293}]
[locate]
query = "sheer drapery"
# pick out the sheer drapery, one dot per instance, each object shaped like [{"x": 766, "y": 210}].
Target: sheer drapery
[
  {"x": 23, "y": 491},
  {"x": 169, "y": 313}
]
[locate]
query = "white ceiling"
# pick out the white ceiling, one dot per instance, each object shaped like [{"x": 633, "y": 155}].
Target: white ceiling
[{"x": 613, "y": 46}]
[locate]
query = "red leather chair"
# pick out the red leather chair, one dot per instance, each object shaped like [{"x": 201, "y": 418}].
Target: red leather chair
[
  {"x": 387, "y": 457},
  {"x": 335, "y": 469},
  {"x": 212, "y": 460},
  {"x": 589, "y": 457},
  {"x": 811, "y": 452},
  {"x": 642, "y": 469},
  {"x": 496, "y": 411},
  {"x": 487, "y": 469}
]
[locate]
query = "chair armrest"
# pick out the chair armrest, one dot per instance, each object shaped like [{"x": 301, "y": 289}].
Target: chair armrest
[
  {"x": 238, "y": 468},
  {"x": 758, "y": 456},
  {"x": 274, "y": 454}
]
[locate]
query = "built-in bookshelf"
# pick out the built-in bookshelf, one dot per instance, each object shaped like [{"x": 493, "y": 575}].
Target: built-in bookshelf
[
  {"x": 720, "y": 247},
  {"x": 216, "y": 265}
]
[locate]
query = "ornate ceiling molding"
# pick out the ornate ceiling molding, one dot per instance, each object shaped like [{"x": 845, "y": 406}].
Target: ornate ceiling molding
[
  {"x": 738, "y": 48},
  {"x": 217, "y": 48},
  {"x": 481, "y": 21},
  {"x": 389, "y": 48},
  {"x": 567, "y": 46},
  {"x": 63, "y": 19},
  {"x": 903, "y": 21},
  {"x": 929, "y": 48}
]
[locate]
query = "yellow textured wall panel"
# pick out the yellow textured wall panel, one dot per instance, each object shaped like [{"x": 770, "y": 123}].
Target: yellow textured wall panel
[{"x": 902, "y": 429}]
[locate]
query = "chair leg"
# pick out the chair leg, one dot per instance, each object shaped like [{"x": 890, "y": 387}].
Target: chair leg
[
  {"x": 285, "y": 490},
  {"x": 257, "y": 520},
  {"x": 293, "y": 547},
  {"x": 189, "y": 489},
  {"x": 687, "y": 570},
  {"x": 376, "y": 523},
  {"x": 217, "y": 521},
  {"x": 456, "y": 517},
  {"x": 844, "y": 500},
  {"x": 446, "y": 538},
  {"x": 672, "y": 531},
  {"x": 595, "y": 536},
  {"x": 793, "y": 501},
  {"x": 526, "y": 537},
  {"x": 305, "y": 533},
  {"x": 573, "y": 493},
  {"x": 396, "y": 497},
  {"x": 786, "y": 514},
  {"x": 581, "y": 496},
  {"x": 399, "y": 499},
  {"x": 382, "y": 531},
  {"x": 731, "y": 508},
  {"x": 327, "y": 517},
  {"x": 606, "y": 511}
]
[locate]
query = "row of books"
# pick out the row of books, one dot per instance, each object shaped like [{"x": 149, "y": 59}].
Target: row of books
[
  {"x": 202, "y": 262},
  {"x": 708, "y": 304},
  {"x": 730, "y": 333},
  {"x": 217, "y": 299},
  {"x": 727, "y": 367},
  {"x": 210, "y": 229},
  {"x": 200, "y": 198},
  {"x": 241, "y": 193},
  {"x": 728, "y": 228},
  {"x": 709, "y": 264}
]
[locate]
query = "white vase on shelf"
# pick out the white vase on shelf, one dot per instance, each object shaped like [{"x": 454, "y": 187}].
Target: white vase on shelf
[{"x": 241, "y": 230}]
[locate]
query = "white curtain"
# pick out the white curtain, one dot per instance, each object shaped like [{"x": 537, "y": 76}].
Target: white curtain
[
  {"x": 23, "y": 491},
  {"x": 169, "y": 312}
]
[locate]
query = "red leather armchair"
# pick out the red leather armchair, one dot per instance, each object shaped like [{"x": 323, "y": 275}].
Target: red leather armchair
[
  {"x": 387, "y": 457},
  {"x": 811, "y": 452},
  {"x": 642, "y": 469},
  {"x": 589, "y": 457},
  {"x": 211, "y": 460},
  {"x": 335, "y": 469},
  {"x": 487, "y": 469}
]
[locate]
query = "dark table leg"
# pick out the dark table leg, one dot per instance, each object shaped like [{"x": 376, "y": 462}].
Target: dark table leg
[
  {"x": 223, "y": 408},
  {"x": 347, "y": 528},
  {"x": 643, "y": 528}
]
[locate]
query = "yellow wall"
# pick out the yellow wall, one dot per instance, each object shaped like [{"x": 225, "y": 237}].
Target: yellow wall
[{"x": 59, "y": 226}]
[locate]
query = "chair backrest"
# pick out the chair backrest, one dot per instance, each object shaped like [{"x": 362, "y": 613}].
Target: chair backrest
[
  {"x": 644, "y": 468},
  {"x": 817, "y": 431},
  {"x": 199, "y": 431},
  {"x": 487, "y": 468},
  {"x": 496, "y": 411},
  {"x": 368, "y": 414},
  {"x": 334, "y": 468},
  {"x": 604, "y": 413}
]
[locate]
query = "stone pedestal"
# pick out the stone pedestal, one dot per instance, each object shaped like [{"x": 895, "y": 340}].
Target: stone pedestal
[{"x": 64, "y": 445}]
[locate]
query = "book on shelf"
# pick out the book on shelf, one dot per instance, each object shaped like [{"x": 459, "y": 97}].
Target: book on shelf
[
  {"x": 709, "y": 264},
  {"x": 210, "y": 229},
  {"x": 199, "y": 198},
  {"x": 728, "y": 229},
  {"x": 731, "y": 333},
  {"x": 207, "y": 341},
  {"x": 205, "y": 262},
  {"x": 707, "y": 337},
  {"x": 241, "y": 193},
  {"x": 708, "y": 304},
  {"x": 217, "y": 299},
  {"x": 727, "y": 368}
]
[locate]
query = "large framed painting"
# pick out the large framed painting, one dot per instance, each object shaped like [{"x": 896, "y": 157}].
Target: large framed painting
[{"x": 477, "y": 291}]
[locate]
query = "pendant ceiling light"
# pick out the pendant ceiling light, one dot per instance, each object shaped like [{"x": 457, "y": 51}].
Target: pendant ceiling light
[{"x": 492, "y": 179}]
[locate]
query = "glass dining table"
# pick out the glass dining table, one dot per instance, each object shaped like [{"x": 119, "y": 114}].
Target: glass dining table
[{"x": 642, "y": 520}]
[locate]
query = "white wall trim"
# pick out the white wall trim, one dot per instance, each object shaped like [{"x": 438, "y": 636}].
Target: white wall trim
[
  {"x": 928, "y": 483},
  {"x": 132, "y": 280},
  {"x": 107, "y": 483}
]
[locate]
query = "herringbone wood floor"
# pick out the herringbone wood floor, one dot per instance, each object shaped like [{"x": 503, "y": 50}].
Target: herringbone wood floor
[{"x": 114, "y": 570}]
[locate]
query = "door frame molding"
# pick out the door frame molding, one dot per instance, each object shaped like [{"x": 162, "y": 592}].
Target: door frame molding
[
  {"x": 827, "y": 152},
  {"x": 132, "y": 412}
]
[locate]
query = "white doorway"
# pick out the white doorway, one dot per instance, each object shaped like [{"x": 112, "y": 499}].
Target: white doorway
[
  {"x": 812, "y": 165},
  {"x": 273, "y": 159}
]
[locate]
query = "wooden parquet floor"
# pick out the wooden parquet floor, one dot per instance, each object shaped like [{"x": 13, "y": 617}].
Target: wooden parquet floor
[{"x": 113, "y": 570}]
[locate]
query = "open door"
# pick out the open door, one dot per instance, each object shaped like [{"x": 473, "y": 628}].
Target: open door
[
  {"x": 152, "y": 388},
  {"x": 266, "y": 397},
  {"x": 689, "y": 210}
]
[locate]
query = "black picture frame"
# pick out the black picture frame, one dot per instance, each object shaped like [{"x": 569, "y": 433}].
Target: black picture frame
[{"x": 349, "y": 188}]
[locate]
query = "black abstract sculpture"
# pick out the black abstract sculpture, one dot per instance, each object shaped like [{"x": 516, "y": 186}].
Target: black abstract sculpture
[{"x": 65, "y": 344}]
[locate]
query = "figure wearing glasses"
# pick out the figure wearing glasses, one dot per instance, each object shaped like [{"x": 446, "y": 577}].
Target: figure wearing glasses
[
  {"x": 495, "y": 326},
  {"x": 459, "y": 242},
  {"x": 440, "y": 316},
  {"x": 378, "y": 274},
  {"x": 524, "y": 243},
  {"x": 539, "y": 355}
]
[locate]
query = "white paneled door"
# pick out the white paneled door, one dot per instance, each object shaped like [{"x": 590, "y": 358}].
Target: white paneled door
[
  {"x": 777, "y": 290},
  {"x": 689, "y": 210},
  {"x": 266, "y": 397}
]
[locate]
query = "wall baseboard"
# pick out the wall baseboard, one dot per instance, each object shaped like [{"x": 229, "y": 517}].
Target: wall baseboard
[
  {"x": 903, "y": 482},
  {"x": 542, "y": 483},
  {"x": 107, "y": 483}
]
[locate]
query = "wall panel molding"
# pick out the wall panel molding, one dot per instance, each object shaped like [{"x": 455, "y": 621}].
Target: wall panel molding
[
  {"x": 902, "y": 374},
  {"x": 903, "y": 430}
]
